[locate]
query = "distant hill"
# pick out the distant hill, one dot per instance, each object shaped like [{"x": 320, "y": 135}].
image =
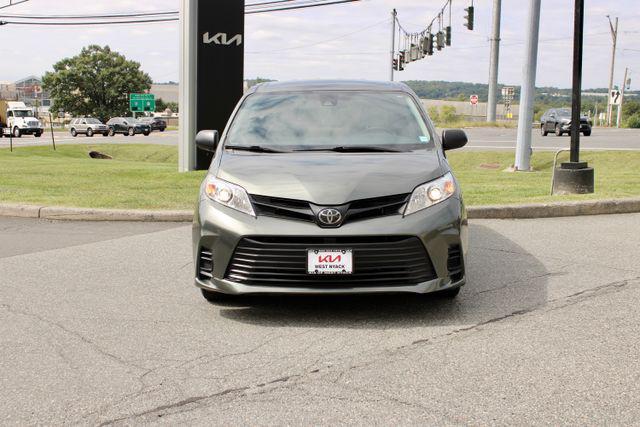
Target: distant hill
[{"x": 460, "y": 91}]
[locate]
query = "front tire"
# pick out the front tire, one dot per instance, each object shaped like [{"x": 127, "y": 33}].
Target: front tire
[
  {"x": 543, "y": 132},
  {"x": 215, "y": 297},
  {"x": 111, "y": 132},
  {"x": 146, "y": 133},
  {"x": 131, "y": 132},
  {"x": 16, "y": 132},
  {"x": 37, "y": 134},
  {"x": 162, "y": 129},
  {"x": 587, "y": 133},
  {"x": 74, "y": 133},
  {"x": 90, "y": 132},
  {"x": 447, "y": 293},
  {"x": 558, "y": 130}
]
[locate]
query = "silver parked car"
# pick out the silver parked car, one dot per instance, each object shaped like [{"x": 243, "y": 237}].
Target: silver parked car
[{"x": 88, "y": 126}]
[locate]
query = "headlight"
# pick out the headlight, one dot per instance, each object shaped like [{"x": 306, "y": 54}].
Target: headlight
[
  {"x": 228, "y": 194},
  {"x": 431, "y": 193}
]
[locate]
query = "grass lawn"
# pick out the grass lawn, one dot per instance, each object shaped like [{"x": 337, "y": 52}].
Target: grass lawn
[{"x": 146, "y": 177}]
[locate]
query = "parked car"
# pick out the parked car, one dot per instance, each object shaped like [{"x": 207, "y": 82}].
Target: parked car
[
  {"x": 127, "y": 126},
  {"x": 87, "y": 126},
  {"x": 329, "y": 187},
  {"x": 156, "y": 123},
  {"x": 558, "y": 121}
]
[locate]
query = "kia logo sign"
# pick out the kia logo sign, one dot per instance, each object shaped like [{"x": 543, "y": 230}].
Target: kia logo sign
[
  {"x": 330, "y": 217},
  {"x": 329, "y": 258},
  {"x": 222, "y": 39}
]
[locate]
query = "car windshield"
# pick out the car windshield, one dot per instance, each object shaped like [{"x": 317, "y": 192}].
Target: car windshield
[
  {"x": 326, "y": 119},
  {"x": 564, "y": 113},
  {"x": 93, "y": 122},
  {"x": 131, "y": 120},
  {"x": 22, "y": 113}
]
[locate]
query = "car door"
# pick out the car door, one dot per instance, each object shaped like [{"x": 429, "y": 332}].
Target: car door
[{"x": 82, "y": 127}]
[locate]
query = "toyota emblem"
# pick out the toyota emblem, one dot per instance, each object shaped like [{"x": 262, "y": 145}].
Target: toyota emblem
[{"x": 330, "y": 216}]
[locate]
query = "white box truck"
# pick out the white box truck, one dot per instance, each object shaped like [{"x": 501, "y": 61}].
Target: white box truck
[{"x": 17, "y": 119}]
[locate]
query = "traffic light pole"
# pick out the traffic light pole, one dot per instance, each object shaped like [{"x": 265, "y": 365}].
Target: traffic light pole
[
  {"x": 624, "y": 83},
  {"x": 574, "y": 176},
  {"x": 393, "y": 40},
  {"x": 493, "y": 68}
]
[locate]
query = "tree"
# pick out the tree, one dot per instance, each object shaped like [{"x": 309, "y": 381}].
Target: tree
[{"x": 95, "y": 83}]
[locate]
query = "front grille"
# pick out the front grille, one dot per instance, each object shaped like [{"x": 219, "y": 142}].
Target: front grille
[
  {"x": 377, "y": 261},
  {"x": 455, "y": 263},
  {"x": 33, "y": 124},
  {"x": 205, "y": 264},
  {"x": 353, "y": 211}
]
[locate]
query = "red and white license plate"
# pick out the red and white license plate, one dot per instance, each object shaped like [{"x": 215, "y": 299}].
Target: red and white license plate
[{"x": 329, "y": 261}]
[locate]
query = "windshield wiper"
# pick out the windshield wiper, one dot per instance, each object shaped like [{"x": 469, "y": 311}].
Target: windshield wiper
[
  {"x": 253, "y": 148},
  {"x": 355, "y": 149}
]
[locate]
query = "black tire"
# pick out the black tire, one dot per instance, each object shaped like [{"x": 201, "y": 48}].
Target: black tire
[
  {"x": 16, "y": 132},
  {"x": 162, "y": 129},
  {"x": 215, "y": 297},
  {"x": 131, "y": 132},
  {"x": 542, "y": 131},
  {"x": 146, "y": 133},
  {"x": 74, "y": 133},
  {"x": 587, "y": 133},
  {"x": 90, "y": 133},
  {"x": 558, "y": 130},
  {"x": 111, "y": 132},
  {"x": 105, "y": 134},
  {"x": 37, "y": 134},
  {"x": 447, "y": 293}
]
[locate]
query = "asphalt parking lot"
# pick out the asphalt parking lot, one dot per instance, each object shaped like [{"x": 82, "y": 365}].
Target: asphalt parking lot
[
  {"x": 479, "y": 139},
  {"x": 100, "y": 324}
]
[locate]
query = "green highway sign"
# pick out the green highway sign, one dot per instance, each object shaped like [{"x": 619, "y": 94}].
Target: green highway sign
[{"x": 140, "y": 102}]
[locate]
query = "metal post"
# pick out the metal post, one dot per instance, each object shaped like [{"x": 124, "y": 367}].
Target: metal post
[
  {"x": 525, "y": 121},
  {"x": 393, "y": 39},
  {"x": 493, "y": 68},
  {"x": 578, "y": 25},
  {"x": 53, "y": 138},
  {"x": 624, "y": 83},
  {"x": 188, "y": 93},
  {"x": 614, "y": 36}
]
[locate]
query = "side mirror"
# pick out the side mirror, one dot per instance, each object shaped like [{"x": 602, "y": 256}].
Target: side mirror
[
  {"x": 453, "y": 138},
  {"x": 207, "y": 140}
]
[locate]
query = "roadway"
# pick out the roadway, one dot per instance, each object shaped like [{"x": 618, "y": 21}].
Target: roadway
[
  {"x": 100, "y": 324},
  {"x": 479, "y": 139}
]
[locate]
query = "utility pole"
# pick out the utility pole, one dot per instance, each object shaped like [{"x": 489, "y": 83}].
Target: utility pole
[
  {"x": 614, "y": 36},
  {"x": 527, "y": 92},
  {"x": 394, "y": 14},
  {"x": 624, "y": 84},
  {"x": 493, "y": 68}
]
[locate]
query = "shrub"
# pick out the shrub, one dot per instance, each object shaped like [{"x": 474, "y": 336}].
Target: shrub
[{"x": 633, "y": 121}]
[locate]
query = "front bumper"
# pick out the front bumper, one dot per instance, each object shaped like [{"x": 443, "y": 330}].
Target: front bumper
[
  {"x": 220, "y": 229},
  {"x": 566, "y": 127}
]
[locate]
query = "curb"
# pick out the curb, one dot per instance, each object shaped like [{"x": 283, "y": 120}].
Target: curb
[
  {"x": 538, "y": 210},
  {"x": 555, "y": 209}
]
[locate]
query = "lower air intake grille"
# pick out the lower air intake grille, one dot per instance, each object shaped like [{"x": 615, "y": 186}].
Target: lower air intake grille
[
  {"x": 205, "y": 264},
  {"x": 377, "y": 261},
  {"x": 455, "y": 265}
]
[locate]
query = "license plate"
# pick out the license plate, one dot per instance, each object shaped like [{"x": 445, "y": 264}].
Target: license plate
[{"x": 329, "y": 261}]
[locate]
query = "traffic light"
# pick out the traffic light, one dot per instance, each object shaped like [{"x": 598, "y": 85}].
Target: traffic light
[
  {"x": 447, "y": 32},
  {"x": 469, "y": 17},
  {"x": 401, "y": 60},
  {"x": 394, "y": 64},
  {"x": 429, "y": 47},
  {"x": 440, "y": 40}
]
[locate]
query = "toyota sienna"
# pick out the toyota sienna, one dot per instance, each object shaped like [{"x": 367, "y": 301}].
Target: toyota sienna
[{"x": 329, "y": 187}]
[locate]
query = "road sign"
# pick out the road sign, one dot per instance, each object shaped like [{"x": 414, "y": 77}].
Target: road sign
[
  {"x": 139, "y": 102},
  {"x": 473, "y": 99},
  {"x": 615, "y": 97}
]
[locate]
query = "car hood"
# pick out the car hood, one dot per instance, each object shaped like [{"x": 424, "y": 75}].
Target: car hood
[{"x": 330, "y": 178}]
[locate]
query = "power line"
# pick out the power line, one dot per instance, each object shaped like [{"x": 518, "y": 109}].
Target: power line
[
  {"x": 303, "y": 6},
  {"x": 138, "y": 21},
  {"x": 11, "y": 3}
]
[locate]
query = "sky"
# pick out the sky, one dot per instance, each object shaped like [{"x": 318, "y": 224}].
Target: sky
[{"x": 344, "y": 41}]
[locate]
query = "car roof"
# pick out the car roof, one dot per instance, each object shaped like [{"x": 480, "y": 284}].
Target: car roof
[{"x": 337, "y": 85}]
